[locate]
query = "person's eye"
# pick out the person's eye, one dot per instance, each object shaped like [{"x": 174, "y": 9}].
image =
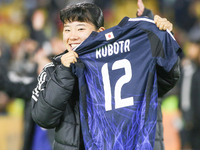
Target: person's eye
[
  {"x": 67, "y": 30},
  {"x": 81, "y": 29}
]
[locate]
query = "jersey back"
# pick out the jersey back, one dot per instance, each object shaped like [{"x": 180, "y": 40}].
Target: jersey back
[{"x": 118, "y": 87}]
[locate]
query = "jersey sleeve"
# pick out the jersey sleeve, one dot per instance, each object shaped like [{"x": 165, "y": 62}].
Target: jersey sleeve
[
  {"x": 167, "y": 50},
  {"x": 163, "y": 45}
]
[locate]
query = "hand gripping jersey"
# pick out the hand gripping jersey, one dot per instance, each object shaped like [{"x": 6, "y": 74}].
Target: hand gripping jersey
[{"x": 118, "y": 86}]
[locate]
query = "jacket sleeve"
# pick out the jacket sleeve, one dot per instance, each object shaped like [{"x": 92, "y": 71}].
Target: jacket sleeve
[
  {"x": 50, "y": 97},
  {"x": 167, "y": 80}
]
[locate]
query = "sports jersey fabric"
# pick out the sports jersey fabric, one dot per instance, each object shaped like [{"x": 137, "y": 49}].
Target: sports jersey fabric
[{"x": 118, "y": 84}]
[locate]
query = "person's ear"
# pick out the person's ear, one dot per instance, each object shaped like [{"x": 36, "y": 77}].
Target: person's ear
[{"x": 101, "y": 29}]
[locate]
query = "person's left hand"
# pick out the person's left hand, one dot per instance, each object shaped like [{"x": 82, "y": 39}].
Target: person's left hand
[{"x": 163, "y": 23}]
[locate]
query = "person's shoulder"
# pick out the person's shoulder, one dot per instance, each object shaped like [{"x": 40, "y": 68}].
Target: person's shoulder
[
  {"x": 46, "y": 71},
  {"x": 49, "y": 66}
]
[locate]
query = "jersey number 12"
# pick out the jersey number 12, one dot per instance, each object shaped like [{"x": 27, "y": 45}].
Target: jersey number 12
[{"x": 119, "y": 102}]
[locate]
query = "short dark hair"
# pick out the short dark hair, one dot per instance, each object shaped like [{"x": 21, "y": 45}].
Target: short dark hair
[{"x": 83, "y": 12}]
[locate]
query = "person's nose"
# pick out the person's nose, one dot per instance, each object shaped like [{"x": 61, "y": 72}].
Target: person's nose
[{"x": 73, "y": 35}]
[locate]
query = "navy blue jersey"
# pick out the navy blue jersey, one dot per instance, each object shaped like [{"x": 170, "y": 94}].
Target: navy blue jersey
[{"x": 118, "y": 87}]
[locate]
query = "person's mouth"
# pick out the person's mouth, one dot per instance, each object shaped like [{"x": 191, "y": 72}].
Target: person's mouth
[{"x": 73, "y": 46}]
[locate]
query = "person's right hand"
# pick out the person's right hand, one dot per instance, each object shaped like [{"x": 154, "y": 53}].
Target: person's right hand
[{"x": 68, "y": 58}]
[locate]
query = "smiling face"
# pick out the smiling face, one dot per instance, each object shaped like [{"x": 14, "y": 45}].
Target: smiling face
[
  {"x": 74, "y": 33},
  {"x": 79, "y": 20}
]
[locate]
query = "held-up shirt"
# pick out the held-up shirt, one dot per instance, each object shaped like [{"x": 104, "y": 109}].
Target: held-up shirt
[{"x": 118, "y": 84}]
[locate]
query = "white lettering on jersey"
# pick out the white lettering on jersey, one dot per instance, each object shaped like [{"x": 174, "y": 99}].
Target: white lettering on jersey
[{"x": 115, "y": 48}]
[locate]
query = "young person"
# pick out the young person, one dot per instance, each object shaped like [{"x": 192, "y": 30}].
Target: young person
[{"x": 55, "y": 100}]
